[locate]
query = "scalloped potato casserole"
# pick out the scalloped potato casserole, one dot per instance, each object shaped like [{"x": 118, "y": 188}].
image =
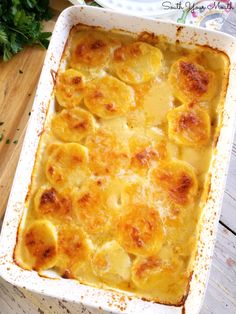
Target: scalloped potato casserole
[{"x": 122, "y": 169}]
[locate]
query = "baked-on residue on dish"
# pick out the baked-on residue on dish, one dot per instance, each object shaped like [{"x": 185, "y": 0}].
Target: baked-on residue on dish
[{"x": 117, "y": 188}]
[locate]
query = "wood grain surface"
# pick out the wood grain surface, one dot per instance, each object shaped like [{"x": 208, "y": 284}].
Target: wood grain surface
[{"x": 18, "y": 81}]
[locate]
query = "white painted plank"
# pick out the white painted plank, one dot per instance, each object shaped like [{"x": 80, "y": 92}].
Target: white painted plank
[
  {"x": 220, "y": 296},
  {"x": 229, "y": 25},
  {"x": 228, "y": 213},
  {"x": 221, "y": 292}
]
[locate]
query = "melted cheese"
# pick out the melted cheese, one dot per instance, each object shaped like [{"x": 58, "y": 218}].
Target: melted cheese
[
  {"x": 122, "y": 164},
  {"x": 190, "y": 81},
  {"x": 189, "y": 125}
]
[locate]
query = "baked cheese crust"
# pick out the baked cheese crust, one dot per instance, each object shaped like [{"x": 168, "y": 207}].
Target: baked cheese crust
[{"x": 119, "y": 182}]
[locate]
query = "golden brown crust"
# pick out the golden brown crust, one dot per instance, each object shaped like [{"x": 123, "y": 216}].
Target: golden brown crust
[
  {"x": 190, "y": 81},
  {"x": 72, "y": 125},
  {"x": 117, "y": 204},
  {"x": 69, "y": 88},
  {"x": 49, "y": 203},
  {"x": 178, "y": 180},
  {"x": 196, "y": 81},
  {"x": 73, "y": 248},
  {"x": 90, "y": 50},
  {"x": 140, "y": 230},
  {"x": 189, "y": 125},
  {"x": 40, "y": 241},
  {"x": 146, "y": 151},
  {"x": 164, "y": 276}
]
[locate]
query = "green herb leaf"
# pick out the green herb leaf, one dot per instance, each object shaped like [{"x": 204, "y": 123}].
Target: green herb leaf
[
  {"x": 3, "y": 36},
  {"x": 20, "y": 25}
]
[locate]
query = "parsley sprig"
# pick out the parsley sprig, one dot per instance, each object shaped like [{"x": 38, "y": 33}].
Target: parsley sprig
[{"x": 20, "y": 25}]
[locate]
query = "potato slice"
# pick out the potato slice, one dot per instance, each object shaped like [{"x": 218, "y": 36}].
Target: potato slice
[
  {"x": 189, "y": 125},
  {"x": 72, "y": 125},
  {"x": 52, "y": 204},
  {"x": 73, "y": 249},
  {"x": 163, "y": 277},
  {"x": 177, "y": 179},
  {"x": 140, "y": 230},
  {"x": 111, "y": 263},
  {"x": 90, "y": 50},
  {"x": 108, "y": 97},
  {"x": 137, "y": 62},
  {"x": 191, "y": 82},
  {"x": 67, "y": 165},
  {"x": 41, "y": 242},
  {"x": 69, "y": 88}
]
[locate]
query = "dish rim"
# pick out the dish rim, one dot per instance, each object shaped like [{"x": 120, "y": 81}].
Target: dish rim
[{"x": 13, "y": 207}]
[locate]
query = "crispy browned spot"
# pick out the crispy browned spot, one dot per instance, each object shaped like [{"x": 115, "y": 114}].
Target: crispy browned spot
[
  {"x": 75, "y": 124},
  {"x": 76, "y": 159},
  {"x": 188, "y": 120},
  {"x": 98, "y": 44},
  {"x": 132, "y": 50},
  {"x": 50, "y": 251},
  {"x": 51, "y": 170},
  {"x": 48, "y": 196},
  {"x": 110, "y": 107},
  {"x": 149, "y": 38},
  {"x": 97, "y": 94},
  {"x": 195, "y": 80},
  {"x": 76, "y": 80},
  {"x": 139, "y": 227},
  {"x": 38, "y": 250},
  {"x": 84, "y": 200},
  {"x": 179, "y": 192},
  {"x": 67, "y": 274},
  {"x": 177, "y": 184},
  {"x": 73, "y": 247},
  {"x": 83, "y": 50},
  {"x": 81, "y": 125},
  {"x": 136, "y": 236},
  {"x": 99, "y": 182},
  {"x": 52, "y": 203},
  {"x": 146, "y": 155}
]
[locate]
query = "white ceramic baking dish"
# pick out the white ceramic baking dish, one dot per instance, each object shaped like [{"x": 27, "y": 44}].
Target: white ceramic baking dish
[{"x": 70, "y": 289}]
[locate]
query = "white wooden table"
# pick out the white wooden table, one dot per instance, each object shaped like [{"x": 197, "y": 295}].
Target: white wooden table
[{"x": 221, "y": 292}]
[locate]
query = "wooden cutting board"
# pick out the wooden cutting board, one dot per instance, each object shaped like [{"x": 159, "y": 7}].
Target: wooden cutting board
[{"x": 18, "y": 82}]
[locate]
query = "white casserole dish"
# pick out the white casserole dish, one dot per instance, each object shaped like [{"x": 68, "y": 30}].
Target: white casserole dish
[{"x": 70, "y": 289}]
